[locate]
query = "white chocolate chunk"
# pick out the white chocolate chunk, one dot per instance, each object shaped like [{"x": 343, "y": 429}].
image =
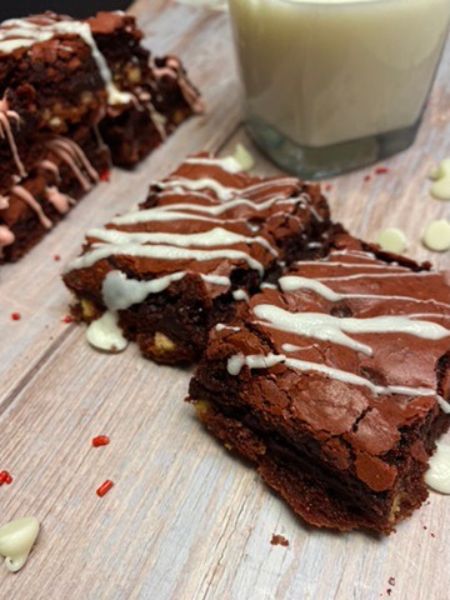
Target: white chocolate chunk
[
  {"x": 441, "y": 177},
  {"x": 16, "y": 540},
  {"x": 441, "y": 170},
  {"x": 441, "y": 188},
  {"x": 393, "y": 240},
  {"x": 105, "y": 334},
  {"x": 243, "y": 157},
  {"x": 438, "y": 475},
  {"x": 436, "y": 236}
]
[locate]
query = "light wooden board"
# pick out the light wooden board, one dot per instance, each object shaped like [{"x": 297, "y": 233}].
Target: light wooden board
[{"x": 184, "y": 521}]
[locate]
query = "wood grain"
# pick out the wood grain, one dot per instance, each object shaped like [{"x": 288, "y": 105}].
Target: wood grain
[{"x": 184, "y": 521}]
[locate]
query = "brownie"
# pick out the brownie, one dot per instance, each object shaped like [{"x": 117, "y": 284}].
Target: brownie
[
  {"x": 49, "y": 73},
  {"x": 70, "y": 87},
  {"x": 336, "y": 385},
  {"x": 187, "y": 257},
  {"x": 67, "y": 169},
  {"x": 163, "y": 96}
]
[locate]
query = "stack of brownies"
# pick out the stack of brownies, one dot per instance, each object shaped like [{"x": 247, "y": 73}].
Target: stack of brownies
[
  {"x": 73, "y": 95},
  {"x": 324, "y": 361}
]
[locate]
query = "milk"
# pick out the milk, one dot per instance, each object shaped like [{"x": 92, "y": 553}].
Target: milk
[{"x": 322, "y": 72}]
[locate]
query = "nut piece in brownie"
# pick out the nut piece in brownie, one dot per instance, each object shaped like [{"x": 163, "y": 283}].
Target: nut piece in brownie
[
  {"x": 63, "y": 83},
  {"x": 205, "y": 238},
  {"x": 337, "y": 385}
]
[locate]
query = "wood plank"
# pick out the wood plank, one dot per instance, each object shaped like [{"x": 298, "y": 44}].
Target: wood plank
[{"x": 185, "y": 520}]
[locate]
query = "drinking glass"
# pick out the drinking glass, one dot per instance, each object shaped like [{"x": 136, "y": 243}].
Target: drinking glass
[{"x": 334, "y": 85}]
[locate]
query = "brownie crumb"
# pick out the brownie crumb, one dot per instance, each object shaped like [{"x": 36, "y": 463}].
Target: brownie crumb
[
  {"x": 391, "y": 581},
  {"x": 389, "y": 591},
  {"x": 279, "y": 540}
]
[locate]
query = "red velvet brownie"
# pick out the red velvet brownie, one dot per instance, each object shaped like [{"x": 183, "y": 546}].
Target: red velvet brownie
[
  {"x": 66, "y": 83},
  {"x": 336, "y": 385},
  {"x": 162, "y": 95},
  {"x": 206, "y": 236},
  {"x": 66, "y": 170}
]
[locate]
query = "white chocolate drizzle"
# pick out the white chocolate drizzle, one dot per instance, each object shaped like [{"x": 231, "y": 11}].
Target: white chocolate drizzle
[
  {"x": 120, "y": 292},
  {"x": 7, "y": 238},
  {"x": 70, "y": 153},
  {"x": 23, "y": 33},
  {"x": 6, "y": 116},
  {"x": 174, "y": 70},
  {"x": 224, "y": 326},
  {"x": 352, "y": 265},
  {"x": 202, "y": 246},
  {"x": 29, "y": 199},
  {"x": 325, "y": 327},
  {"x": 215, "y": 237},
  {"x": 105, "y": 334},
  {"x": 261, "y": 361},
  {"x": 223, "y": 192},
  {"x": 291, "y": 283},
  {"x": 159, "y": 252},
  {"x": 49, "y": 165},
  {"x": 228, "y": 164},
  {"x": 60, "y": 201}
]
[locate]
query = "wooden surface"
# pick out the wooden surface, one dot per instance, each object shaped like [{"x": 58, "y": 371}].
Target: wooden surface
[{"x": 184, "y": 521}]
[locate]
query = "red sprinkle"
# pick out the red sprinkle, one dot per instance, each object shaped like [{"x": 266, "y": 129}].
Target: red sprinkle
[
  {"x": 56, "y": 257},
  {"x": 100, "y": 440},
  {"x": 328, "y": 187},
  {"x": 105, "y": 176},
  {"x": 15, "y": 316},
  {"x": 367, "y": 178},
  {"x": 104, "y": 488},
  {"x": 5, "y": 477},
  {"x": 381, "y": 170},
  {"x": 68, "y": 319}
]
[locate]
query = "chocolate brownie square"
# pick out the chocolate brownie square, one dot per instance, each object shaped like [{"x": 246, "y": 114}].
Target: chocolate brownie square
[
  {"x": 336, "y": 385},
  {"x": 189, "y": 256}
]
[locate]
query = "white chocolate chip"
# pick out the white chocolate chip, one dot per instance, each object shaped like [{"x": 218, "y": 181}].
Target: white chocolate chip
[
  {"x": 243, "y": 157},
  {"x": 393, "y": 240},
  {"x": 16, "y": 540},
  {"x": 436, "y": 236},
  {"x": 441, "y": 177},
  {"x": 441, "y": 170},
  {"x": 441, "y": 189}
]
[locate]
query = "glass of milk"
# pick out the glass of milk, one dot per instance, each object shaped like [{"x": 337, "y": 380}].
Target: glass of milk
[{"x": 333, "y": 85}]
